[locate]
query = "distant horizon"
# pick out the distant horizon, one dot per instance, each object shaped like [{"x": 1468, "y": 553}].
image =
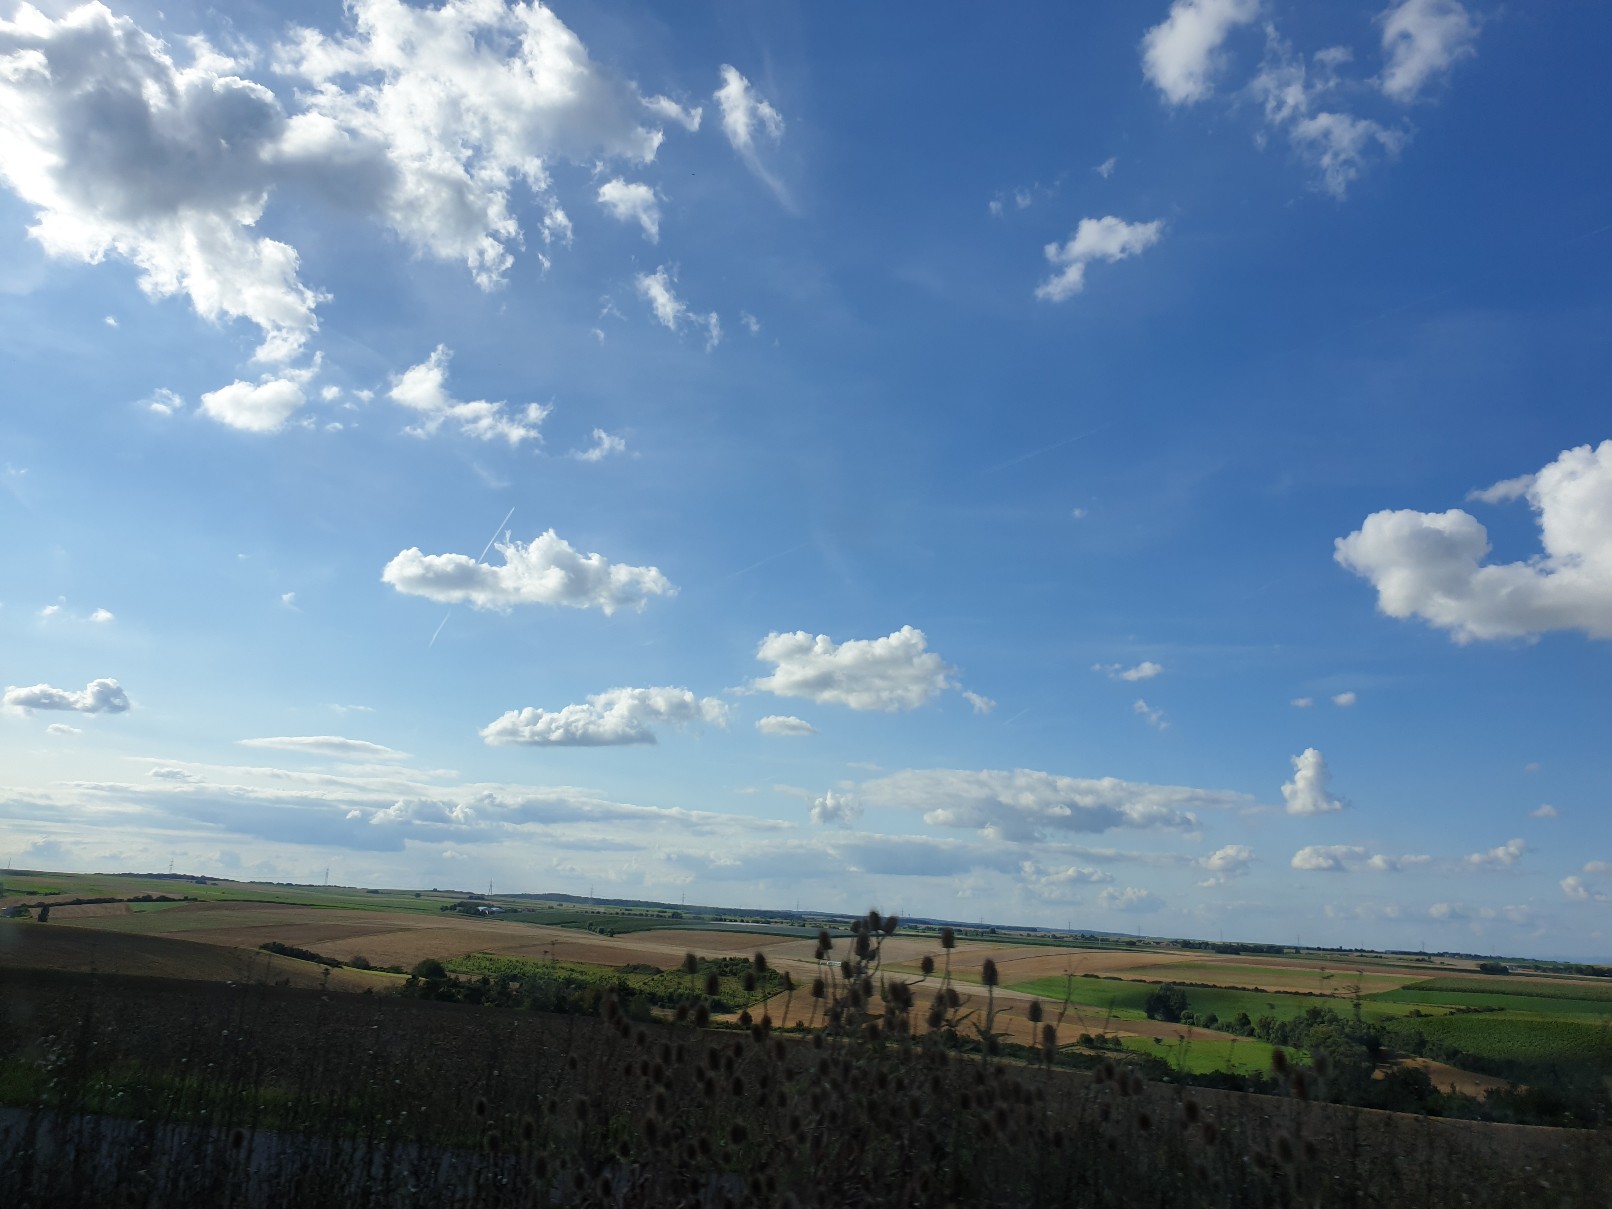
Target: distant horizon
[{"x": 809, "y": 912}]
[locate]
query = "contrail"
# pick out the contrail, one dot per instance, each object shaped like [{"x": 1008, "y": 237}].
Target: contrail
[
  {"x": 479, "y": 557},
  {"x": 1035, "y": 453}
]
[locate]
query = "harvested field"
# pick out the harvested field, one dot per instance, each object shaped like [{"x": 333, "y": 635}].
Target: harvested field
[
  {"x": 33, "y": 946},
  {"x": 1450, "y": 1078}
]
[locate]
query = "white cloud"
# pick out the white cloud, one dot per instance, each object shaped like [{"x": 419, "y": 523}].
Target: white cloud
[
  {"x": 604, "y": 444},
  {"x": 1422, "y": 41},
  {"x": 122, "y": 152},
  {"x": 97, "y": 697},
  {"x": 1106, "y": 168},
  {"x": 745, "y": 114},
  {"x": 897, "y": 672},
  {"x": 172, "y": 774},
  {"x": 326, "y": 745},
  {"x": 1504, "y": 491},
  {"x": 288, "y": 600},
  {"x": 783, "y": 725},
  {"x": 1109, "y": 238},
  {"x": 1505, "y": 855},
  {"x": 422, "y": 118},
  {"x": 1303, "y": 702},
  {"x": 670, "y": 310},
  {"x": 102, "y": 616},
  {"x": 1344, "y": 700},
  {"x": 1431, "y": 565},
  {"x": 751, "y": 323},
  {"x": 1059, "y": 885},
  {"x": 438, "y": 112},
  {"x": 1181, "y": 55},
  {"x": 1576, "y": 891},
  {"x": 1341, "y": 146},
  {"x": 1307, "y": 792},
  {"x": 62, "y": 729},
  {"x": 1544, "y": 811},
  {"x": 609, "y": 719},
  {"x": 688, "y": 119},
  {"x": 1337, "y": 146},
  {"x": 1227, "y": 862},
  {"x": 423, "y": 390},
  {"x": 50, "y": 610},
  {"x": 1145, "y": 670},
  {"x": 1132, "y": 900},
  {"x": 836, "y": 810},
  {"x": 980, "y": 703},
  {"x": 164, "y": 402},
  {"x": 547, "y": 571},
  {"x": 262, "y": 408},
  {"x": 1330, "y": 858},
  {"x": 1024, "y": 805},
  {"x": 632, "y": 202},
  {"x": 1155, "y": 717}
]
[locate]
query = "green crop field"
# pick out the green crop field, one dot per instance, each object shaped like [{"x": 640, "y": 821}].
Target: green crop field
[
  {"x": 1537, "y": 1004},
  {"x": 1500, "y": 990},
  {"x": 1126, "y": 1000},
  {"x": 1522, "y": 1038},
  {"x": 1240, "y": 1055}
]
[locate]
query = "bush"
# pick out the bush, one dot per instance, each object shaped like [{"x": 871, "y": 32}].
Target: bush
[{"x": 430, "y": 970}]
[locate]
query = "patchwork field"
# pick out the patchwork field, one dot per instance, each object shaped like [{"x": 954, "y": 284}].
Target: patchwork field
[{"x": 1522, "y": 1018}]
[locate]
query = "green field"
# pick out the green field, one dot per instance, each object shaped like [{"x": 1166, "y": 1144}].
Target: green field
[
  {"x": 1123, "y": 1000},
  {"x": 1240, "y": 1055},
  {"x": 1523, "y": 1038},
  {"x": 1504, "y": 988}
]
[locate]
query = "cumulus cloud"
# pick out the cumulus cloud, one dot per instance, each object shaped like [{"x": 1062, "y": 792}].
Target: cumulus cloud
[
  {"x": 325, "y": 745},
  {"x": 1344, "y": 700},
  {"x": 123, "y": 152},
  {"x": 1145, "y": 670},
  {"x": 631, "y": 202},
  {"x": 441, "y": 111},
  {"x": 670, "y": 310},
  {"x": 980, "y": 703},
  {"x": 894, "y": 673},
  {"x": 747, "y": 118},
  {"x": 423, "y": 390},
  {"x": 172, "y": 774},
  {"x": 102, "y": 616},
  {"x": 1225, "y": 863},
  {"x": 1330, "y": 858},
  {"x": 836, "y": 810},
  {"x": 1422, "y": 41},
  {"x": 615, "y": 718},
  {"x": 264, "y": 407},
  {"x": 1336, "y": 858},
  {"x": 1109, "y": 239},
  {"x": 1504, "y": 856},
  {"x": 97, "y": 697},
  {"x": 604, "y": 444},
  {"x": 1544, "y": 811},
  {"x": 1131, "y": 899},
  {"x": 1302, "y": 702},
  {"x": 1059, "y": 885},
  {"x": 1026, "y": 805},
  {"x": 421, "y": 118},
  {"x": 1575, "y": 890},
  {"x": 785, "y": 725},
  {"x": 1433, "y": 565},
  {"x": 1307, "y": 792},
  {"x": 546, "y": 571},
  {"x": 62, "y": 729},
  {"x": 1181, "y": 55}
]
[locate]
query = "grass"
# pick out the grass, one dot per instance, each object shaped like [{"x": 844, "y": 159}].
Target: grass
[
  {"x": 1205, "y": 1055},
  {"x": 1125, "y": 1000}
]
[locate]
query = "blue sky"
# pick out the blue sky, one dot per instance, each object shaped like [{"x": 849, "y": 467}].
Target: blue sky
[{"x": 1143, "y": 468}]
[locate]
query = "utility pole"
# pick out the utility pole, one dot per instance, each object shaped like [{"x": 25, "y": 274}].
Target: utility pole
[{"x": 327, "y": 875}]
